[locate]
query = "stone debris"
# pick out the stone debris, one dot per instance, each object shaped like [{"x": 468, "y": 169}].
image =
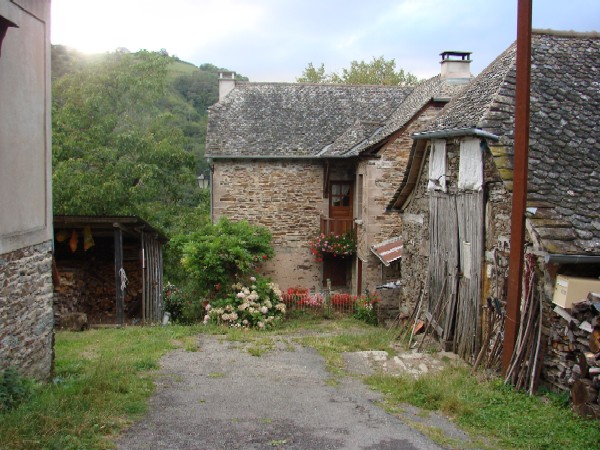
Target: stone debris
[{"x": 410, "y": 363}]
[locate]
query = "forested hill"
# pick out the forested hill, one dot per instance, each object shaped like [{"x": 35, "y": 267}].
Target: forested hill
[{"x": 128, "y": 135}]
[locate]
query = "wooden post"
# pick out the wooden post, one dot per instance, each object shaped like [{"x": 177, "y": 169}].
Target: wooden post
[
  {"x": 120, "y": 293},
  {"x": 519, "y": 195},
  {"x": 144, "y": 292}
]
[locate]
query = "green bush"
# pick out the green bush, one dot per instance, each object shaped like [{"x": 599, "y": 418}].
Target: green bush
[
  {"x": 365, "y": 308},
  {"x": 14, "y": 389},
  {"x": 218, "y": 255},
  {"x": 184, "y": 306}
]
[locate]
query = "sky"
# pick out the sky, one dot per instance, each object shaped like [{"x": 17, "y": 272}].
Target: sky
[{"x": 274, "y": 40}]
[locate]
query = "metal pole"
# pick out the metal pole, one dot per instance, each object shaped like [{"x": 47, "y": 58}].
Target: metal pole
[{"x": 519, "y": 194}]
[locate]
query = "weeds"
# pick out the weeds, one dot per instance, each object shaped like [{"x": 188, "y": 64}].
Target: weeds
[
  {"x": 103, "y": 379},
  {"x": 486, "y": 408},
  {"x": 14, "y": 389}
]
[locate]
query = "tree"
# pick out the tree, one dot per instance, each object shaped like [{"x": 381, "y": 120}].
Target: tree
[
  {"x": 312, "y": 75},
  {"x": 377, "y": 72},
  {"x": 114, "y": 151}
]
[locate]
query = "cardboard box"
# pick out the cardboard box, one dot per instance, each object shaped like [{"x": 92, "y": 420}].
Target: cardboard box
[{"x": 570, "y": 290}]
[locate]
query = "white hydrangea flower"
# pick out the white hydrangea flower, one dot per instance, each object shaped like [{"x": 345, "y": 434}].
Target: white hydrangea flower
[{"x": 264, "y": 309}]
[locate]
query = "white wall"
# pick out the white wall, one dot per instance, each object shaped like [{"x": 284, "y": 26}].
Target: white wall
[{"x": 25, "y": 145}]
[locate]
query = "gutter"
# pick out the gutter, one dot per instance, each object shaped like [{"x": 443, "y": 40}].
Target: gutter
[
  {"x": 279, "y": 157},
  {"x": 454, "y": 132},
  {"x": 571, "y": 259}
]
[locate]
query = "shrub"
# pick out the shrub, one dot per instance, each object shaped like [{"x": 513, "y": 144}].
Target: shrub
[
  {"x": 365, "y": 308},
  {"x": 216, "y": 256},
  {"x": 255, "y": 304},
  {"x": 185, "y": 307},
  {"x": 14, "y": 389},
  {"x": 174, "y": 300}
]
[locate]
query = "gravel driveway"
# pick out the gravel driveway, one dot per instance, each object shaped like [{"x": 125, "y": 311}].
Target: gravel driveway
[{"x": 221, "y": 397}]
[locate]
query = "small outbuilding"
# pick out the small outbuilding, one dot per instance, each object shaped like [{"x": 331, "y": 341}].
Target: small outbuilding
[{"x": 109, "y": 268}]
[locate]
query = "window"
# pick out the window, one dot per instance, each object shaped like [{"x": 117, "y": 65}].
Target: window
[{"x": 340, "y": 194}]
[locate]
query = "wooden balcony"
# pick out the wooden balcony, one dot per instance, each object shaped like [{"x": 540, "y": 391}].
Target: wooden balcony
[{"x": 337, "y": 226}]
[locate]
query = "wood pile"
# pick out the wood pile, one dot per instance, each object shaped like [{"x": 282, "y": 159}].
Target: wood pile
[
  {"x": 90, "y": 289},
  {"x": 574, "y": 360}
]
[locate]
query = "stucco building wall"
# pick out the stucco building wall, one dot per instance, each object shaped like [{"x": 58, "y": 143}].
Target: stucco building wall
[{"x": 26, "y": 330}]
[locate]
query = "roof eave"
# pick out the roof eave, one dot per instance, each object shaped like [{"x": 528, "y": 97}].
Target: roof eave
[
  {"x": 279, "y": 156},
  {"x": 454, "y": 132}
]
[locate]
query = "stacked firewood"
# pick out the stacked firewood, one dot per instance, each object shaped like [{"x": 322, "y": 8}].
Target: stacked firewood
[
  {"x": 90, "y": 289},
  {"x": 575, "y": 354}
]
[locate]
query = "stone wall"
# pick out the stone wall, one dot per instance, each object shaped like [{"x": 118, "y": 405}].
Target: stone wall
[
  {"x": 283, "y": 195},
  {"x": 382, "y": 178},
  {"x": 26, "y": 331},
  {"x": 415, "y": 234},
  {"x": 416, "y": 230}
]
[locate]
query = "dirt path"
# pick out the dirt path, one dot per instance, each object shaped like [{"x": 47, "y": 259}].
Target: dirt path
[{"x": 221, "y": 397}]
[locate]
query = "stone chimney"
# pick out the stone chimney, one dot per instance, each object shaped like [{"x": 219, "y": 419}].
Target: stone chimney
[
  {"x": 226, "y": 84},
  {"x": 456, "y": 66}
]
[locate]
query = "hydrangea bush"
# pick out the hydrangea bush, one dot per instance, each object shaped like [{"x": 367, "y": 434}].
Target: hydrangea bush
[{"x": 254, "y": 304}]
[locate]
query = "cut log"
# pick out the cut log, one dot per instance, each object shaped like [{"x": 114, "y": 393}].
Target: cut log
[{"x": 594, "y": 341}]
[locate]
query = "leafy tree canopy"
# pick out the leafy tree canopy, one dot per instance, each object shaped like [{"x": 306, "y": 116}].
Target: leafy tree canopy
[
  {"x": 115, "y": 151},
  {"x": 377, "y": 72}
]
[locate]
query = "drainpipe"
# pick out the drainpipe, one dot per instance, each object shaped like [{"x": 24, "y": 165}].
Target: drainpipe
[{"x": 519, "y": 196}]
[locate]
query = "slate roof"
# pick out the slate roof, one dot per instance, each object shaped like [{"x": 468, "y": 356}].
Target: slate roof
[
  {"x": 297, "y": 120},
  {"x": 564, "y": 158},
  {"x": 314, "y": 120}
]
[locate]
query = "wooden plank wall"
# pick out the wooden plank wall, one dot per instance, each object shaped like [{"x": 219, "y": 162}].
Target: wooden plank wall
[{"x": 467, "y": 336}]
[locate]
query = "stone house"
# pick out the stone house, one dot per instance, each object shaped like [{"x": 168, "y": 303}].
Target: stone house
[
  {"x": 26, "y": 323},
  {"x": 302, "y": 159},
  {"x": 455, "y": 196}
]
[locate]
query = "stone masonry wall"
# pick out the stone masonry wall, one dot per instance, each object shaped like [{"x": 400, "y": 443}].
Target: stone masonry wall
[
  {"x": 26, "y": 319},
  {"x": 285, "y": 196},
  {"x": 416, "y": 230},
  {"x": 382, "y": 179},
  {"x": 497, "y": 231},
  {"x": 415, "y": 233}
]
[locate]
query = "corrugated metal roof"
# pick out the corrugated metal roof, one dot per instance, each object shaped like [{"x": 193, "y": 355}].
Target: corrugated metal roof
[{"x": 389, "y": 250}]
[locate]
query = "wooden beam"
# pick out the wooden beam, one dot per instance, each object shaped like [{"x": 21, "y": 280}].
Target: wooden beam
[{"x": 326, "y": 179}]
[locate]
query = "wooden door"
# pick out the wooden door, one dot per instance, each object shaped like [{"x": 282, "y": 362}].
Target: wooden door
[
  {"x": 455, "y": 267},
  {"x": 340, "y": 207}
]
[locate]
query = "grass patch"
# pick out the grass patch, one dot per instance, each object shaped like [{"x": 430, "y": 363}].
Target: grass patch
[
  {"x": 102, "y": 381},
  {"x": 486, "y": 408},
  {"x": 104, "y": 378},
  {"x": 360, "y": 338}
]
